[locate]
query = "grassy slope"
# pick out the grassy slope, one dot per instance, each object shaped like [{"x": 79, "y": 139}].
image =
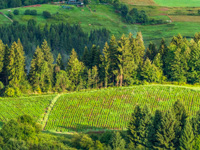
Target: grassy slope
[
  {"x": 112, "y": 108},
  {"x": 178, "y": 3},
  {"x": 105, "y": 17},
  {"x": 34, "y": 106}
]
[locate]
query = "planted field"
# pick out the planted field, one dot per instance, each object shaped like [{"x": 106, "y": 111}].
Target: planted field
[
  {"x": 178, "y": 3},
  {"x": 112, "y": 108},
  {"x": 139, "y": 2},
  {"x": 34, "y": 106}
]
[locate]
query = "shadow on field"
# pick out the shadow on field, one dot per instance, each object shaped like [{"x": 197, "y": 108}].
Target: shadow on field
[{"x": 84, "y": 128}]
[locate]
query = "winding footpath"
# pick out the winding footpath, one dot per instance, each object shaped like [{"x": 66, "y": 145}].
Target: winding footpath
[{"x": 46, "y": 116}]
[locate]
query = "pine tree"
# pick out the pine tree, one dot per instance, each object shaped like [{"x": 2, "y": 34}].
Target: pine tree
[
  {"x": 140, "y": 49},
  {"x": 180, "y": 116},
  {"x": 144, "y": 128},
  {"x": 59, "y": 62},
  {"x": 74, "y": 69},
  {"x": 106, "y": 63},
  {"x": 62, "y": 81},
  {"x": 166, "y": 134},
  {"x": 151, "y": 51},
  {"x": 2, "y": 55},
  {"x": 113, "y": 66},
  {"x": 133, "y": 128},
  {"x": 187, "y": 137},
  {"x": 15, "y": 64},
  {"x": 95, "y": 76},
  {"x": 154, "y": 128},
  {"x": 194, "y": 62},
  {"x": 149, "y": 72},
  {"x": 159, "y": 65},
  {"x": 36, "y": 69},
  {"x": 85, "y": 57},
  {"x": 89, "y": 78},
  {"x": 126, "y": 63},
  {"x": 117, "y": 142}
]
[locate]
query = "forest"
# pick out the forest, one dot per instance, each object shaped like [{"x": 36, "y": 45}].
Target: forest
[
  {"x": 120, "y": 63},
  {"x": 173, "y": 129}
]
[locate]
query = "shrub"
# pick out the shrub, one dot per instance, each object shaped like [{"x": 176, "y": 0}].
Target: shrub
[
  {"x": 33, "y": 12},
  {"x": 10, "y": 92},
  {"x": 27, "y": 12},
  {"x": 10, "y": 15},
  {"x": 16, "y": 12},
  {"x": 46, "y": 14}
]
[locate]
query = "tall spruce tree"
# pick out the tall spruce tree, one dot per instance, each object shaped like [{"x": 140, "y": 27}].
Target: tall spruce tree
[
  {"x": 15, "y": 64},
  {"x": 187, "y": 137},
  {"x": 59, "y": 62},
  {"x": 36, "y": 69},
  {"x": 112, "y": 51},
  {"x": 126, "y": 65},
  {"x": 165, "y": 135},
  {"x": 105, "y": 63},
  {"x": 180, "y": 116},
  {"x": 74, "y": 69},
  {"x": 133, "y": 128}
]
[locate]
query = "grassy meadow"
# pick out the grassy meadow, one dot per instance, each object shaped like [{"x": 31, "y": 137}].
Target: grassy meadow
[
  {"x": 178, "y": 3},
  {"x": 112, "y": 108},
  {"x": 104, "y": 16}
]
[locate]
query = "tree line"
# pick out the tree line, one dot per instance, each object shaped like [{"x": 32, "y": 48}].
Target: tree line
[
  {"x": 61, "y": 37},
  {"x": 120, "y": 63},
  {"x": 18, "y": 3},
  {"x": 172, "y": 129}
]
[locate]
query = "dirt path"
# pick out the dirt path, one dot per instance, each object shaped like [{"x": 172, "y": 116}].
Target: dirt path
[
  {"x": 46, "y": 116},
  {"x": 6, "y": 17}
]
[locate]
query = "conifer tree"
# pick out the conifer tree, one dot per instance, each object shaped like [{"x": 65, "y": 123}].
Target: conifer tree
[
  {"x": 15, "y": 64},
  {"x": 106, "y": 63},
  {"x": 126, "y": 63},
  {"x": 187, "y": 137},
  {"x": 145, "y": 125},
  {"x": 194, "y": 62},
  {"x": 59, "y": 62},
  {"x": 89, "y": 78},
  {"x": 117, "y": 142},
  {"x": 62, "y": 81},
  {"x": 151, "y": 51},
  {"x": 140, "y": 49},
  {"x": 36, "y": 69},
  {"x": 154, "y": 128},
  {"x": 166, "y": 134},
  {"x": 149, "y": 71},
  {"x": 133, "y": 128},
  {"x": 86, "y": 57},
  {"x": 95, "y": 76},
  {"x": 74, "y": 69},
  {"x": 2, "y": 55},
  {"x": 180, "y": 116},
  {"x": 112, "y": 51}
]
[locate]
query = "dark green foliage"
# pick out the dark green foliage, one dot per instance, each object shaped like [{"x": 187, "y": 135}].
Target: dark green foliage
[
  {"x": 16, "y": 12},
  {"x": 165, "y": 135},
  {"x": 46, "y": 14},
  {"x": 187, "y": 137},
  {"x": 27, "y": 12}
]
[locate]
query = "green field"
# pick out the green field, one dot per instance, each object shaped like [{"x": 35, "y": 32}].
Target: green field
[
  {"x": 34, "y": 106},
  {"x": 178, "y": 3},
  {"x": 104, "y": 16},
  {"x": 112, "y": 108}
]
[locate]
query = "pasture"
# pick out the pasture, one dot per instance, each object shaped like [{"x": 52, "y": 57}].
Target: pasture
[
  {"x": 112, "y": 108},
  {"x": 178, "y": 3},
  {"x": 104, "y": 16}
]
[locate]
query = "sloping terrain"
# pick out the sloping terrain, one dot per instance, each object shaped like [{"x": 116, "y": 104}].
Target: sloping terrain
[{"x": 112, "y": 108}]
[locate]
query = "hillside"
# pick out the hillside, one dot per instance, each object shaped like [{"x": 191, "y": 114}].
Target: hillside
[
  {"x": 99, "y": 109},
  {"x": 184, "y": 20}
]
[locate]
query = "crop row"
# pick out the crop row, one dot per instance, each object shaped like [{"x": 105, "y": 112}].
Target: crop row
[{"x": 112, "y": 108}]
